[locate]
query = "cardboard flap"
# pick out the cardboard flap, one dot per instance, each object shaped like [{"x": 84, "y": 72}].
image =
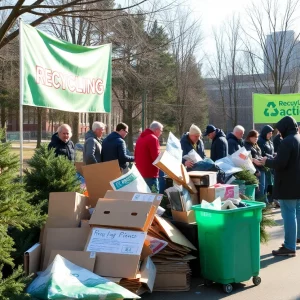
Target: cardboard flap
[
  {"x": 115, "y": 213},
  {"x": 68, "y": 205},
  {"x": 173, "y": 233},
  {"x": 32, "y": 259},
  {"x": 80, "y": 258},
  {"x": 148, "y": 273},
  {"x": 61, "y": 223},
  {"x": 97, "y": 178},
  {"x": 63, "y": 239},
  {"x": 133, "y": 196},
  {"x": 146, "y": 250},
  {"x": 78, "y": 166},
  {"x": 187, "y": 182}
]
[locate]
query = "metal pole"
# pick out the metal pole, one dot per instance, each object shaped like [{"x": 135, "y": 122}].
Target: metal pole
[{"x": 21, "y": 95}]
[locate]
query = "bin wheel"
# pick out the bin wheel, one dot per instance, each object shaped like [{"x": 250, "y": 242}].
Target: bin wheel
[
  {"x": 227, "y": 288},
  {"x": 256, "y": 280},
  {"x": 208, "y": 282}
]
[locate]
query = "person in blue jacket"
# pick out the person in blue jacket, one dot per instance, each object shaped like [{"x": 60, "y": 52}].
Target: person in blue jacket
[
  {"x": 219, "y": 145},
  {"x": 235, "y": 139},
  {"x": 192, "y": 140},
  {"x": 114, "y": 147}
]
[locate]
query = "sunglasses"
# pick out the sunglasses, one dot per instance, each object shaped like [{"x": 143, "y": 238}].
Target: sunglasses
[{"x": 125, "y": 130}]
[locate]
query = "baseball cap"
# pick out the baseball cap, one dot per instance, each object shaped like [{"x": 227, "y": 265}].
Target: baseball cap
[{"x": 209, "y": 129}]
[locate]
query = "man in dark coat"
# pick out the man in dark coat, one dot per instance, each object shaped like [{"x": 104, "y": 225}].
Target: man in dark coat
[
  {"x": 114, "y": 147},
  {"x": 61, "y": 142},
  {"x": 192, "y": 140},
  {"x": 219, "y": 145},
  {"x": 93, "y": 144},
  {"x": 235, "y": 139},
  {"x": 276, "y": 142},
  {"x": 287, "y": 181}
]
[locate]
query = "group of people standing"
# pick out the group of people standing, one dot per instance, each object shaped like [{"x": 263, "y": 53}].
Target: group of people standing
[{"x": 279, "y": 159}]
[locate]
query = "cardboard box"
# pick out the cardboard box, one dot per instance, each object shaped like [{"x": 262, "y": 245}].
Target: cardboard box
[
  {"x": 117, "y": 251},
  {"x": 118, "y": 213},
  {"x": 32, "y": 259},
  {"x": 62, "y": 239},
  {"x": 80, "y": 258},
  {"x": 175, "y": 170},
  {"x": 78, "y": 166},
  {"x": 225, "y": 191},
  {"x": 169, "y": 281},
  {"x": 203, "y": 178},
  {"x": 148, "y": 274},
  {"x": 155, "y": 199},
  {"x": 66, "y": 210},
  {"x": 187, "y": 217},
  {"x": 97, "y": 178}
]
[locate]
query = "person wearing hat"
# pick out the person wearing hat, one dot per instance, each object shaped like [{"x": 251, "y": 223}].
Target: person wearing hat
[
  {"x": 219, "y": 145},
  {"x": 267, "y": 149},
  {"x": 191, "y": 140}
]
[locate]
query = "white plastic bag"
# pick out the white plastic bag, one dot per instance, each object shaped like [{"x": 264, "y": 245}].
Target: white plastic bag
[
  {"x": 226, "y": 165},
  {"x": 216, "y": 204},
  {"x": 65, "y": 280},
  {"x": 193, "y": 156},
  {"x": 131, "y": 182},
  {"x": 241, "y": 158},
  {"x": 174, "y": 147}
]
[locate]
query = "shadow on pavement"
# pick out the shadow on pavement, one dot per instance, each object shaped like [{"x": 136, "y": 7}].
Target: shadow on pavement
[{"x": 269, "y": 259}]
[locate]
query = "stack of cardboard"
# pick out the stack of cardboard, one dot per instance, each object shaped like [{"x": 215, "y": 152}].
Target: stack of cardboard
[{"x": 173, "y": 271}]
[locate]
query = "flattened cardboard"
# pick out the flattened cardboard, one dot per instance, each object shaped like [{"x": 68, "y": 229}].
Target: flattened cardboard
[
  {"x": 97, "y": 178},
  {"x": 187, "y": 182},
  {"x": 63, "y": 239},
  {"x": 32, "y": 259},
  {"x": 173, "y": 233},
  {"x": 171, "y": 281},
  {"x": 132, "y": 196},
  {"x": 115, "y": 213},
  {"x": 187, "y": 217},
  {"x": 66, "y": 209},
  {"x": 116, "y": 263},
  {"x": 148, "y": 273},
  {"x": 203, "y": 178},
  {"x": 80, "y": 258}
]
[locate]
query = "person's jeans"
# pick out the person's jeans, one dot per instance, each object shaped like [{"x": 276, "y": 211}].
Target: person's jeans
[
  {"x": 262, "y": 195},
  {"x": 290, "y": 211},
  {"x": 153, "y": 184}
]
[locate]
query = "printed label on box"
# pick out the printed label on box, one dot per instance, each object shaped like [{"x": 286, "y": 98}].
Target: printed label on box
[
  {"x": 226, "y": 192},
  {"x": 143, "y": 197},
  {"x": 116, "y": 241}
]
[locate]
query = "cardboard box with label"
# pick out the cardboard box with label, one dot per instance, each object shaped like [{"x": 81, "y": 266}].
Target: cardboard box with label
[
  {"x": 136, "y": 215},
  {"x": 117, "y": 251},
  {"x": 203, "y": 178},
  {"x": 224, "y": 191}
]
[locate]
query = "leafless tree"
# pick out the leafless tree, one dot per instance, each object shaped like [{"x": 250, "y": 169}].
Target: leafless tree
[{"x": 272, "y": 46}]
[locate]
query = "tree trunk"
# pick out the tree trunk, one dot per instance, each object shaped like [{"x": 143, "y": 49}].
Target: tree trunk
[
  {"x": 91, "y": 119},
  {"x": 3, "y": 123},
  {"x": 39, "y": 127},
  {"x": 75, "y": 128}
]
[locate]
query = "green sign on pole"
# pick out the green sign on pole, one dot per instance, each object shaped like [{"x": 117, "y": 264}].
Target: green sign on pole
[{"x": 270, "y": 108}]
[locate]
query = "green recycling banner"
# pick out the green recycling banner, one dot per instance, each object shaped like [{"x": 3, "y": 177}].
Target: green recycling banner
[
  {"x": 270, "y": 108},
  {"x": 61, "y": 75}
]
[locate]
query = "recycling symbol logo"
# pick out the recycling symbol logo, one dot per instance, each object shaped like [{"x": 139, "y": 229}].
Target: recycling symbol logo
[{"x": 271, "y": 110}]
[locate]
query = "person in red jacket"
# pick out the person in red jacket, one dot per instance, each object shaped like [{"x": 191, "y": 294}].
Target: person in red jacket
[{"x": 147, "y": 149}]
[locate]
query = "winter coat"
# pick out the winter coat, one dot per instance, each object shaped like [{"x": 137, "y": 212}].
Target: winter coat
[
  {"x": 219, "y": 146},
  {"x": 287, "y": 161},
  {"x": 114, "y": 147},
  {"x": 187, "y": 146},
  {"x": 146, "y": 151},
  {"x": 255, "y": 152},
  {"x": 276, "y": 142},
  {"x": 62, "y": 148},
  {"x": 234, "y": 143},
  {"x": 266, "y": 146},
  {"x": 92, "y": 148}
]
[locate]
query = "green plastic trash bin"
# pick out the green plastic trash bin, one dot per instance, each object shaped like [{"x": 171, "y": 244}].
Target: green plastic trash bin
[
  {"x": 250, "y": 191},
  {"x": 229, "y": 243}
]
